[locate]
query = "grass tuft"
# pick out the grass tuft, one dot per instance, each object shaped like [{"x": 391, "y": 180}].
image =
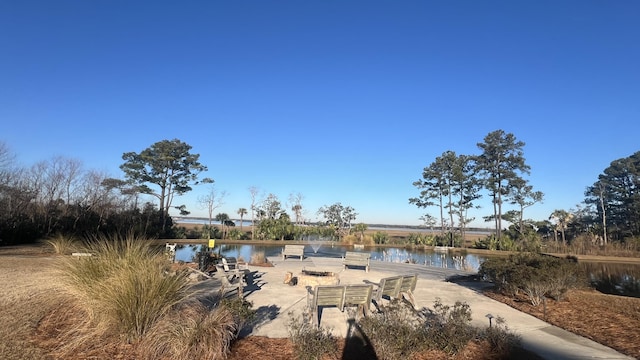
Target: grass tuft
[
  {"x": 125, "y": 288},
  {"x": 63, "y": 244},
  {"x": 259, "y": 258},
  {"x": 192, "y": 332}
]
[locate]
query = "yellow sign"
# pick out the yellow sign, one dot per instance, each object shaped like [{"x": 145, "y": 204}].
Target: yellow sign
[{"x": 212, "y": 243}]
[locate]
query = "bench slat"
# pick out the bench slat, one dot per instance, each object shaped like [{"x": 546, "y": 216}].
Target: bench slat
[{"x": 338, "y": 296}]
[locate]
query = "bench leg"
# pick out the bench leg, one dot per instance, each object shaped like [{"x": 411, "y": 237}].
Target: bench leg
[{"x": 409, "y": 298}]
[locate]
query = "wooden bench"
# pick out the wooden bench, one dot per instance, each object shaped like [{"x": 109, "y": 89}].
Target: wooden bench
[
  {"x": 293, "y": 250},
  {"x": 396, "y": 287},
  {"x": 352, "y": 258},
  {"x": 339, "y": 296}
]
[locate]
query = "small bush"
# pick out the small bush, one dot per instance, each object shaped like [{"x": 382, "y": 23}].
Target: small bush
[
  {"x": 449, "y": 328},
  {"x": 502, "y": 341},
  {"x": 421, "y": 239},
  {"x": 536, "y": 275},
  {"x": 396, "y": 331},
  {"x": 380, "y": 237},
  {"x": 311, "y": 342},
  {"x": 241, "y": 310}
]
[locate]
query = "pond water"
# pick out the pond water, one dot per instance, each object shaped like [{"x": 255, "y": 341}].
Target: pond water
[
  {"x": 469, "y": 262},
  {"x": 620, "y": 279}
]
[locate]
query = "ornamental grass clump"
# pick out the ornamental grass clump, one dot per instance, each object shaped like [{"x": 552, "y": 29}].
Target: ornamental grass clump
[
  {"x": 192, "y": 332},
  {"x": 123, "y": 289},
  {"x": 64, "y": 244},
  {"x": 259, "y": 258}
]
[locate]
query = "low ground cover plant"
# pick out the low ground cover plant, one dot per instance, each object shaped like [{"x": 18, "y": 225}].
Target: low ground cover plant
[{"x": 398, "y": 331}]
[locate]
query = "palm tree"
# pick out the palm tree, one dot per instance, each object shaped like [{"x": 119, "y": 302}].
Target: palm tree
[
  {"x": 297, "y": 210},
  {"x": 222, "y": 217},
  {"x": 242, "y": 212},
  {"x": 562, "y": 218}
]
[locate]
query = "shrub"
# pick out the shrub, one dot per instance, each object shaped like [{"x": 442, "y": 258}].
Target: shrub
[
  {"x": 236, "y": 234},
  {"x": 350, "y": 239},
  {"x": 421, "y": 239},
  {"x": 502, "y": 341},
  {"x": 240, "y": 309},
  {"x": 125, "y": 288},
  {"x": 380, "y": 237},
  {"x": 536, "y": 275},
  {"x": 449, "y": 328},
  {"x": 396, "y": 331},
  {"x": 311, "y": 342}
]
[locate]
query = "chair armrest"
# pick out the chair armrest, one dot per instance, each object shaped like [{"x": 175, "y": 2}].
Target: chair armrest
[{"x": 371, "y": 283}]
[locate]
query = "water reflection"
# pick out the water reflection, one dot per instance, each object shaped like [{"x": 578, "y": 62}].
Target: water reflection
[
  {"x": 468, "y": 262},
  {"x": 614, "y": 278}
]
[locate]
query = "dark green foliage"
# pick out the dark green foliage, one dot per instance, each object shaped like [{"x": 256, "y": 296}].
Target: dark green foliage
[
  {"x": 501, "y": 166},
  {"x": 22, "y": 229},
  {"x": 536, "y": 275},
  {"x": 380, "y": 237},
  {"x": 617, "y": 189},
  {"x": 240, "y": 308}
]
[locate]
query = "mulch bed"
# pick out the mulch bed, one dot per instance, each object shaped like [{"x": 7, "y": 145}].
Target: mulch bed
[{"x": 607, "y": 319}]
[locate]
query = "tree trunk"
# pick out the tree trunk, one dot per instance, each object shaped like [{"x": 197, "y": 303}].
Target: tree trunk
[{"x": 604, "y": 218}]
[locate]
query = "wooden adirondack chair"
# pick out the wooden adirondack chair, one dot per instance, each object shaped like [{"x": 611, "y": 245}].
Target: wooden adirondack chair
[
  {"x": 407, "y": 287},
  {"x": 232, "y": 282},
  {"x": 360, "y": 296},
  {"x": 388, "y": 287},
  {"x": 324, "y": 296}
]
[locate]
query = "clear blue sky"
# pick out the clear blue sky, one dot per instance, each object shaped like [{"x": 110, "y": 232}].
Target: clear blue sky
[{"x": 340, "y": 101}]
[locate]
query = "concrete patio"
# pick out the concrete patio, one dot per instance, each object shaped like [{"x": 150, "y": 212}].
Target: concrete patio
[{"x": 274, "y": 301}]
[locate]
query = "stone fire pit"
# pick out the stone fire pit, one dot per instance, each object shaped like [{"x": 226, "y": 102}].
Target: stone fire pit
[{"x": 313, "y": 277}]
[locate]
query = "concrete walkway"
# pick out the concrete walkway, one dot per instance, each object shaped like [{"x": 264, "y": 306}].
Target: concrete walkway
[{"x": 274, "y": 301}]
